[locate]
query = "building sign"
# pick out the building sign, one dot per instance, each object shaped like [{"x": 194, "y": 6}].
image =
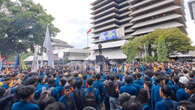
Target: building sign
[{"x": 111, "y": 35}]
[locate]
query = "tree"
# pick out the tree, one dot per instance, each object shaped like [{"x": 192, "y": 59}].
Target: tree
[
  {"x": 162, "y": 50},
  {"x": 19, "y": 21},
  {"x": 175, "y": 41},
  {"x": 130, "y": 51}
]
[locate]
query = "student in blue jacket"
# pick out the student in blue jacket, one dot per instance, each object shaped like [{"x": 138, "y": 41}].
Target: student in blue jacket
[
  {"x": 128, "y": 87},
  {"x": 166, "y": 103},
  {"x": 181, "y": 93},
  {"x": 91, "y": 95},
  {"x": 155, "y": 92},
  {"x": 68, "y": 98},
  {"x": 98, "y": 84},
  {"x": 26, "y": 94}
]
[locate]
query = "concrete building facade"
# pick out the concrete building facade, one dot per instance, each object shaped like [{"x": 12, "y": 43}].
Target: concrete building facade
[
  {"x": 136, "y": 17},
  {"x": 192, "y": 8}
]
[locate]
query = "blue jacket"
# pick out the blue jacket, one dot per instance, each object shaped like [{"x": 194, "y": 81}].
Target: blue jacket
[
  {"x": 146, "y": 107},
  {"x": 181, "y": 94},
  {"x": 166, "y": 104},
  {"x": 63, "y": 99},
  {"x": 100, "y": 86},
  {"x": 22, "y": 105},
  {"x": 155, "y": 95},
  {"x": 57, "y": 92},
  {"x": 129, "y": 88}
]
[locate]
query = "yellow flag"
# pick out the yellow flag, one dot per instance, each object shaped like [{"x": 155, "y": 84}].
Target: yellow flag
[{"x": 23, "y": 64}]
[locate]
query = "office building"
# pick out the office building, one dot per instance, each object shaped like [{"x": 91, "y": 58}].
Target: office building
[{"x": 115, "y": 21}]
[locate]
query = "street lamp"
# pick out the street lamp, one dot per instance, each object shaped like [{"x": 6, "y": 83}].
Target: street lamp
[{"x": 100, "y": 49}]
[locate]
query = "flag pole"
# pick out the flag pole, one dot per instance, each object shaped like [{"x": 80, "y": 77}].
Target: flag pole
[{"x": 87, "y": 40}]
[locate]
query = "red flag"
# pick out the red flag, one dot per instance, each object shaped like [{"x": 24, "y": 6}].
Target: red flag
[
  {"x": 0, "y": 58},
  {"x": 6, "y": 58},
  {"x": 89, "y": 31}
]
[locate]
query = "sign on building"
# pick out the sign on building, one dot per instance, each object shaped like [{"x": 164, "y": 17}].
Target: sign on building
[{"x": 111, "y": 35}]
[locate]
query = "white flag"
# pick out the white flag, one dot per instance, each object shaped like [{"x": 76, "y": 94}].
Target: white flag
[
  {"x": 35, "y": 63},
  {"x": 48, "y": 46}
]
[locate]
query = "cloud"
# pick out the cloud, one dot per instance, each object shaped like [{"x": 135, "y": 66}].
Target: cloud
[{"x": 72, "y": 17}]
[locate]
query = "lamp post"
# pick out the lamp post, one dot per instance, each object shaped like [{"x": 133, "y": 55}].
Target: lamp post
[
  {"x": 100, "y": 57},
  {"x": 100, "y": 49}
]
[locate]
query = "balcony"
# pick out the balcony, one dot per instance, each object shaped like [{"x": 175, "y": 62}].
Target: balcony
[
  {"x": 124, "y": 8},
  {"x": 153, "y": 28},
  {"x": 157, "y": 20},
  {"x": 104, "y": 12},
  {"x": 129, "y": 30},
  {"x": 103, "y": 7},
  {"x": 161, "y": 11},
  {"x": 106, "y": 28},
  {"x": 111, "y": 15},
  {"x": 127, "y": 25},
  {"x": 123, "y": 3},
  {"x": 96, "y": 5},
  {"x": 141, "y": 3},
  {"x": 126, "y": 19},
  {"x": 160, "y": 4},
  {"x": 105, "y": 22},
  {"x": 125, "y": 14}
]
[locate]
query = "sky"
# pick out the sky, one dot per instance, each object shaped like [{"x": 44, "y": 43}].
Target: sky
[{"x": 72, "y": 17}]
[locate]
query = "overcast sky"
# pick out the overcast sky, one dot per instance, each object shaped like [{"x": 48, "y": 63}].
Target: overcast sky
[{"x": 72, "y": 17}]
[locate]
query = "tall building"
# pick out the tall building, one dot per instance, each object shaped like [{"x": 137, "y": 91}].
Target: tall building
[
  {"x": 192, "y": 9},
  {"x": 135, "y": 18}
]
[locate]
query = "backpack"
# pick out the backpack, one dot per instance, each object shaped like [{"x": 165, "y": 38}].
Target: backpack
[
  {"x": 78, "y": 97},
  {"x": 90, "y": 98},
  {"x": 111, "y": 88},
  {"x": 69, "y": 103}
]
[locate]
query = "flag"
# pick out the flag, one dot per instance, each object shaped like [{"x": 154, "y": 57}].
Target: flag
[
  {"x": 23, "y": 64},
  {"x": 89, "y": 31},
  {"x": 48, "y": 46},
  {"x": 17, "y": 63},
  {"x": 35, "y": 63},
  {"x": 1, "y": 63}
]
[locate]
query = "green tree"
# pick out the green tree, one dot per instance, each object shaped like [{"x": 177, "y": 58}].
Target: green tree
[
  {"x": 18, "y": 22},
  {"x": 130, "y": 51},
  {"x": 162, "y": 50},
  {"x": 175, "y": 41}
]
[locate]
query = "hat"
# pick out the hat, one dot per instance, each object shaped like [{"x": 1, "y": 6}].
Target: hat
[{"x": 183, "y": 80}]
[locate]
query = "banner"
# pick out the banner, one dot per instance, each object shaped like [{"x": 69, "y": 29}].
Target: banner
[{"x": 111, "y": 35}]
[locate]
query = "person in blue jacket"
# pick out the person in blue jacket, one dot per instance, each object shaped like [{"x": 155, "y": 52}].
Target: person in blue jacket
[
  {"x": 128, "y": 87},
  {"x": 57, "y": 91},
  {"x": 155, "y": 92},
  {"x": 68, "y": 98},
  {"x": 98, "y": 84},
  {"x": 91, "y": 95},
  {"x": 181, "y": 93},
  {"x": 26, "y": 94},
  {"x": 143, "y": 98},
  {"x": 166, "y": 103}
]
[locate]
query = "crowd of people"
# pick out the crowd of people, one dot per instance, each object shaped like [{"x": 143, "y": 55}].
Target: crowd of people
[{"x": 135, "y": 86}]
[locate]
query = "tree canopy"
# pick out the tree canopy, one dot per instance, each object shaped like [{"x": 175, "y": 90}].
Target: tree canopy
[
  {"x": 175, "y": 41},
  {"x": 23, "y": 24}
]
